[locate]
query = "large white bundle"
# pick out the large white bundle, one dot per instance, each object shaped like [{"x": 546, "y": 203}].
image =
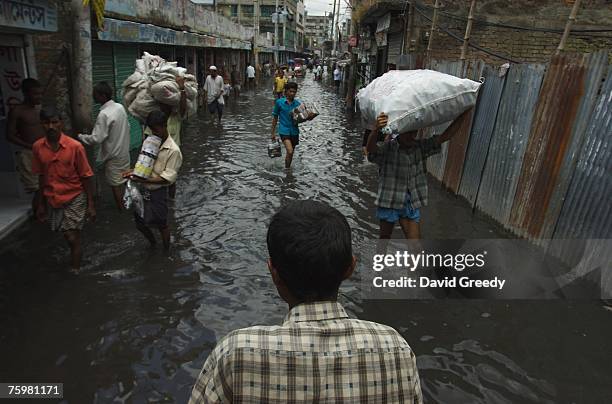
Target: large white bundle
[
  {"x": 414, "y": 99},
  {"x": 168, "y": 92},
  {"x": 153, "y": 82},
  {"x": 143, "y": 105}
]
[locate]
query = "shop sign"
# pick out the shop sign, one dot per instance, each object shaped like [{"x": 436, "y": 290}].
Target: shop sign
[{"x": 36, "y": 15}]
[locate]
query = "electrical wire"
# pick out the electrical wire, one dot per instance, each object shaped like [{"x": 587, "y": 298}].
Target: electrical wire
[{"x": 470, "y": 44}]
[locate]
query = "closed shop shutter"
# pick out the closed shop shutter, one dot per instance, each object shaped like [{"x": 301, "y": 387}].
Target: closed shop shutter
[
  {"x": 102, "y": 67},
  {"x": 395, "y": 47},
  {"x": 125, "y": 61}
]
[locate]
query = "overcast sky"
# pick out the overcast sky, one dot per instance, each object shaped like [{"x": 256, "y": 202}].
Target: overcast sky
[{"x": 319, "y": 7}]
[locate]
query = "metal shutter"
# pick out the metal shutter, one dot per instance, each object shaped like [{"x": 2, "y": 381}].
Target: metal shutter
[
  {"x": 102, "y": 67},
  {"x": 394, "y": 46},
  {"x": 125, "y": 60}
]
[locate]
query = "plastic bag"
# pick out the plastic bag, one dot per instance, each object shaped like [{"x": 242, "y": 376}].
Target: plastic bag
[
  {"x": 414, "y": 99},
  {"x": 302, "y": 112},
  {"x": 133, "y": 198}
]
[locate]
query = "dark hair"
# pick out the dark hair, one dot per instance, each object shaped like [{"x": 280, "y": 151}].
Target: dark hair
[
  {"x": 156, "y": 118},
  {"x": 104, "y": 89},
  {"x": 28, "y": 84},
  {"x": 48, "y": 112},
  {"x": 291, "y": 85},
  {"x": 309, "y": 243}
]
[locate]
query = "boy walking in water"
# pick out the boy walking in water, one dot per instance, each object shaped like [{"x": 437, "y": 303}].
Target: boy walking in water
[
  {"x": 283, "y": 117},
  {"x": 402, "y": 184}
]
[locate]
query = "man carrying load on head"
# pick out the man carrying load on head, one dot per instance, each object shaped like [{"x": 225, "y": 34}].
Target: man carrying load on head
[{"x": 402, "y": 184}]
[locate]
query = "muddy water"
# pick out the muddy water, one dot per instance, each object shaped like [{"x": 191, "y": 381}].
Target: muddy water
[{"x": 138, "y": 324}]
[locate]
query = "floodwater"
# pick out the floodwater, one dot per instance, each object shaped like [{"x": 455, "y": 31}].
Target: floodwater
[{"x": 138, "y": 324}]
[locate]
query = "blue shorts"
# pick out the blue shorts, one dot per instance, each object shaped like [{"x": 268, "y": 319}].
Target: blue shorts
[{"x": 394, "y": 215}]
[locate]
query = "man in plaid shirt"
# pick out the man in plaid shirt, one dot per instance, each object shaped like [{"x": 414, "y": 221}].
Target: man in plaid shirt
[
  {"x": 402, "y": 184},
  {"x": 318, "y": 354}
]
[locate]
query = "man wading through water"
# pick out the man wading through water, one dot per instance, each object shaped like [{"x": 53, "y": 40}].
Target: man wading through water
[
  {"x": 283, "y": 117},
  {"x": 155, "y": 193},
  {"x": 402, "y": 182},
  {"x": 112, "y": 133},
  {"x": 66, "y": 182}
]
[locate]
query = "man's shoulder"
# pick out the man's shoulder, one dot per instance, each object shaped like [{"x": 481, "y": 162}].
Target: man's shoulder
[
  {"x": 71, "y": 142},
  {"x": 38, "y": 144},
  {"x": 246, "y": 338},
  {"x": 382, "y": 334}
]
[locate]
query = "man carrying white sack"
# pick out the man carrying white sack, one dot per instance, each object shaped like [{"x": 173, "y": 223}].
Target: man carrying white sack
[
  {"x": 213, "y": 89},
  {"x": 402, "y": 183}
]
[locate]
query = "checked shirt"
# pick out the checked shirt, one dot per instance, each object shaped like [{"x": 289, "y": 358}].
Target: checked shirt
[
  {"x": 401, "y": 171},
  {"x": 318, "y": 355}
]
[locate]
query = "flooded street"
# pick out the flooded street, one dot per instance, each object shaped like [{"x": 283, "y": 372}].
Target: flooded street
[{"x": 138, "y": 324}]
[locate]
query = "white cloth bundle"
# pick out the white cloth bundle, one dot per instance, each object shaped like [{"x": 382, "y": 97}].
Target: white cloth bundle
[
  {"x": 153, "y": 82},
  {"x": 415, "y": 99}
]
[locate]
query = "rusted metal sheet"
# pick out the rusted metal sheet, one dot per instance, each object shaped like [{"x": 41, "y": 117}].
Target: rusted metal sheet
[
  {"x": 587, "y": 208},
  {"x": 549, "y": 140},
  {"x": 597, "y": 66},
  {"x": 457, "y": 146},
  {"x": 507, "y": 147},
  {"x": 482, "y": 130},
  {"x": 435, "y": 164}
]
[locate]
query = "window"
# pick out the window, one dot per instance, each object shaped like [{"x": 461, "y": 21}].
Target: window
[
  {"x": 247, "y": 11},
  {"x": 301, "y": 19},
  {"x": 267, "y": 11},
  {"x": 234, "y": 10}
]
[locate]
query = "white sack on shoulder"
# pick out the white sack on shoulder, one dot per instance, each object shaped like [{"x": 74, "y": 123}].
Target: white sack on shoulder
[
  {"x": 129, "y": 95},
  {"x": 166, "y": 92},
  {"x": 143, "y": 105},
  {"x": 414, "y": 99}
]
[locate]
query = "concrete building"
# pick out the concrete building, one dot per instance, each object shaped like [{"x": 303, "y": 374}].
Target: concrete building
[
  {"x": 290, "y": 29},
  {"x": 317, "y": 30}
]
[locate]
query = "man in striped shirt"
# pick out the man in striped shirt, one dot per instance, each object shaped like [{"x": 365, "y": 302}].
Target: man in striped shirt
[{"x": 318, "y": 354}]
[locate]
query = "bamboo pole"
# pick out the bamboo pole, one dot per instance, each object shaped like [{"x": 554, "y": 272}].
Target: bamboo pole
[
  {"x": 434, "y": 21},
  {"x": 468, "y": 30},
  {"x": 568, "y": 26},
  {"x": 408, "y": 29}
]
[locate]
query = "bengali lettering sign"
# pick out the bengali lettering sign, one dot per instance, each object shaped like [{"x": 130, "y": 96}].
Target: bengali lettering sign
[
  {"x": 37, "y": 15},
  {"x": 128, "y": 31}
]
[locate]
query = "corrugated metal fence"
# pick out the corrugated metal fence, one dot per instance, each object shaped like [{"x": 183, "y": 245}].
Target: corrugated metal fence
[{"x": 537, "y": 154}]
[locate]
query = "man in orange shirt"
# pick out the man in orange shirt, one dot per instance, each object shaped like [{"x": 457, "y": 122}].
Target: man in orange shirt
[{"x": 65, "y": 178}]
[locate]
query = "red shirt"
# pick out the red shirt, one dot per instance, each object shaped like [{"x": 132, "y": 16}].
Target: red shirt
[{"x": 62, "y": 169}]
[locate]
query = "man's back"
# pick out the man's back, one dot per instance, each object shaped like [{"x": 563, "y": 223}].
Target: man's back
[
  {"x": 117, "y": 143},
  {"x": 317, "y": 355}
]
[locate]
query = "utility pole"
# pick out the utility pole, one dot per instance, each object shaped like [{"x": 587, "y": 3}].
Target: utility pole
[
  {"x": 276, "y": 61},
  {"x": 238, "y": 9},
  {"x": 333, "y": 27},
  {"x": 256, "y": 35},
  {"x": 284, "y": 23},
  {"x": 82, "y": 103}
]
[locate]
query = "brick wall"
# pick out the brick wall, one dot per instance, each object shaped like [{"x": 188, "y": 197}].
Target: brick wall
[
  {"x": 523, "y": 46},
  {"x": 53, "y": 68}
]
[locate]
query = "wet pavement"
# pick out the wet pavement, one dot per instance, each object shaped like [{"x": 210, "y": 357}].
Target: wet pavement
[{"x": 138, "y": 324}]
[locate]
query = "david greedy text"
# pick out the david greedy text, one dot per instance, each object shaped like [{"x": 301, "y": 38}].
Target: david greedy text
[{"x": 410, "y": 261}]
